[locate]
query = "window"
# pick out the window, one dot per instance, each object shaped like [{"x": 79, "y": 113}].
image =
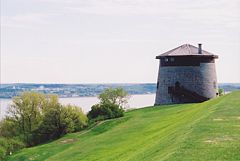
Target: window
[
  {"x": 166, "y": 59},
  {"x": 172, "y": 59}
]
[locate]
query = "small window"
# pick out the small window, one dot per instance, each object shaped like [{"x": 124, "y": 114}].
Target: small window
[
  {"x": 172, "y": 59},
  {"x": 166, "y": 59}
]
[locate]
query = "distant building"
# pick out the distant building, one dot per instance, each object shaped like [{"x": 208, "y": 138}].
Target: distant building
[{"x": 186, "y": 74}]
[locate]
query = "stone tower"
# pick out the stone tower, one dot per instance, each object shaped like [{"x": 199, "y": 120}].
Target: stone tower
[{"x": 186, "y": 74}]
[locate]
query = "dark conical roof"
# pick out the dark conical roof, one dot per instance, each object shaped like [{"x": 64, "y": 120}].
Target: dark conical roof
[{"x": 186, "y": 50}]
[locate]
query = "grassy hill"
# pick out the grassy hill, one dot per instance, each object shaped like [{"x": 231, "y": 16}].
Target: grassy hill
[{"x": 203, "y": 131}]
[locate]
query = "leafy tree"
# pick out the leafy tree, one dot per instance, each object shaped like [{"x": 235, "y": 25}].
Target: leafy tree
[
  {"x": 36, "y": 118},
  {"x": 59, "y": 120},
  {"x": 105, "y": 111},
  {"x": 25, "y": 113},
  {"x": 76, "y": 118},
  {"x": 50, "y": 126},
  {"x": 8, "y": 128},
  {"x": 117, "y": 96},
  {"x": 110, "y": 106}
]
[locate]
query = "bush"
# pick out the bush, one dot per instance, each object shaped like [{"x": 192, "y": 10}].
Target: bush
[
  {"x": 8, "y": 128},
  {"x": 221, "y": 92},
  {"x": 8, "y": 146},
  {"x": 60, "y": 120},
  {"x": 105, "y": 111},
  {"x": 74, "y": 118},
  {"x": 2, "y": 153},
  {"x": 111, "y": 104}
]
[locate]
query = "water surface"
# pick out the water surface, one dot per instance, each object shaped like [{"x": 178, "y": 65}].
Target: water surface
[{"x": 135, "y": 101}]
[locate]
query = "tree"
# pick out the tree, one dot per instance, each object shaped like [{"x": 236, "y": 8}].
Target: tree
[
  {"x": 110, "y": 106},
  {"x": 25, "y": 113},
  {"x": 75, "y": 117},
  {"x": 59, "y": 120},
  {"x": 105, "y": 111},
  {"x": 35, "y": 118},
  {"x": 117, "y": 96},
  {"x": 50, "y": 126},
  {"x": 8, "y": 128}
]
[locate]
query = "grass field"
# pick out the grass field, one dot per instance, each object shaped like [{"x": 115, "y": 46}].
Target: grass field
[{"x": 189, "y": 132}]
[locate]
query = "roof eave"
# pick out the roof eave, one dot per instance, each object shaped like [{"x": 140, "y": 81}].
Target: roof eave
[{"x": 164, "y": 56}]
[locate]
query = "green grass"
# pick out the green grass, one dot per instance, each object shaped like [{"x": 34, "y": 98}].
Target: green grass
[{"x": 187, "y": 132}]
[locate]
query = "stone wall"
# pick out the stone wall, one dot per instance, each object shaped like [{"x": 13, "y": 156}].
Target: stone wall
[{"x": 200, "y": 79}]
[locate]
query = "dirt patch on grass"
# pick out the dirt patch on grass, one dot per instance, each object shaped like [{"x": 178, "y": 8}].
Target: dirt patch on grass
[
  {"x": 218, "y": 119},
  {"x": 34, "y": 157},
  {"x": 236, "y": 125},
  {"x": 238, "y": 118},
  {"x": 67, "y": 141},
  {"x": 209, "y": 141},
  {"x": 219, "y": 140}
]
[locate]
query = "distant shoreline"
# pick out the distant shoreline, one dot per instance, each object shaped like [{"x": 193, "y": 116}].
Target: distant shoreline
[
  {"x": 8, "y": 91},
  {"x": 88, "y": 96}
]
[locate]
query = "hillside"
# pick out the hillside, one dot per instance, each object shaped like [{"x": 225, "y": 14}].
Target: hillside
[{"x": 203, "y": 131}]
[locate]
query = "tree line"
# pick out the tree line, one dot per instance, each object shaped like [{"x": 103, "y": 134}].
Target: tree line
[{"x": 35, "y": 118}]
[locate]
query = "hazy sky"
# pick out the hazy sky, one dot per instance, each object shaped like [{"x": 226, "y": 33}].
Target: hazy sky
[{"x": 112, "y": 41}]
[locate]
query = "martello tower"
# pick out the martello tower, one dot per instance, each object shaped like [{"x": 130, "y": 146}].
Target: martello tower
[{"x": 186, "y": 74}]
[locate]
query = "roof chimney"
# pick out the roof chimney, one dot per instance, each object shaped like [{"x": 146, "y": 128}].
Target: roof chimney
[{"x": 199, "y": 48}]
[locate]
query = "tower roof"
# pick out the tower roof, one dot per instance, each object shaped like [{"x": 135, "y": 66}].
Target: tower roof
[{"x": 187, "y": 50}]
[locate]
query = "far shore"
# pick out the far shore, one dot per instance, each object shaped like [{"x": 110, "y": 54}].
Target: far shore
[{"x": 1, "y": 98}]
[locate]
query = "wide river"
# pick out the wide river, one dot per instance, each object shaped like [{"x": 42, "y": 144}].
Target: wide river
[{"x": 135, "y": 101}]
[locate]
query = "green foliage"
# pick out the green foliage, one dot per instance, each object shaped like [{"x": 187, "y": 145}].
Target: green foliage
[
  {"x": 110, "y": 106},
  {"x": 221, "y": 92},
  {"x": 105, "y": 111},
  {"x": 8, "y": 146},
  {"x": 35, "y": 118},
  {"x": 193, "y": 132},
  {"x": 60, "y": 120},
  {"x": 25, "y": 114},
  {"x": 74, "y": 116},
  {"x": 2, "y": 153},
  {"x": 117, "y": 96},
  {"x": 8, "y": 128}
]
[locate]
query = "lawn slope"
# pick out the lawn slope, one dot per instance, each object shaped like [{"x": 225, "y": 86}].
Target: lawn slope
[{"x": 202, "y": 131}]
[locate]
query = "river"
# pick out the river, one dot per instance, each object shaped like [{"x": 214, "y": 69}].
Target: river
[{"x": 135, "y": 101}]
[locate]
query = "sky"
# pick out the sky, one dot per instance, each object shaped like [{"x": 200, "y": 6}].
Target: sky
[{"x": 112, "y": 41}]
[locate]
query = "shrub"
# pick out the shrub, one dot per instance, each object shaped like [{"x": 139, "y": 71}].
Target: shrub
[
  {"x": 105, "y": 111},
  {"x": 59, "y": 120},
  {"x": 8, "y": 128},
  {"x": 9, "y": 145},
  {"x": 110, "y": 106},
  {"x": 74, "y": 118},
  {"x": 221, "y": 92},
  {"x": 2, "y": 153}
]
